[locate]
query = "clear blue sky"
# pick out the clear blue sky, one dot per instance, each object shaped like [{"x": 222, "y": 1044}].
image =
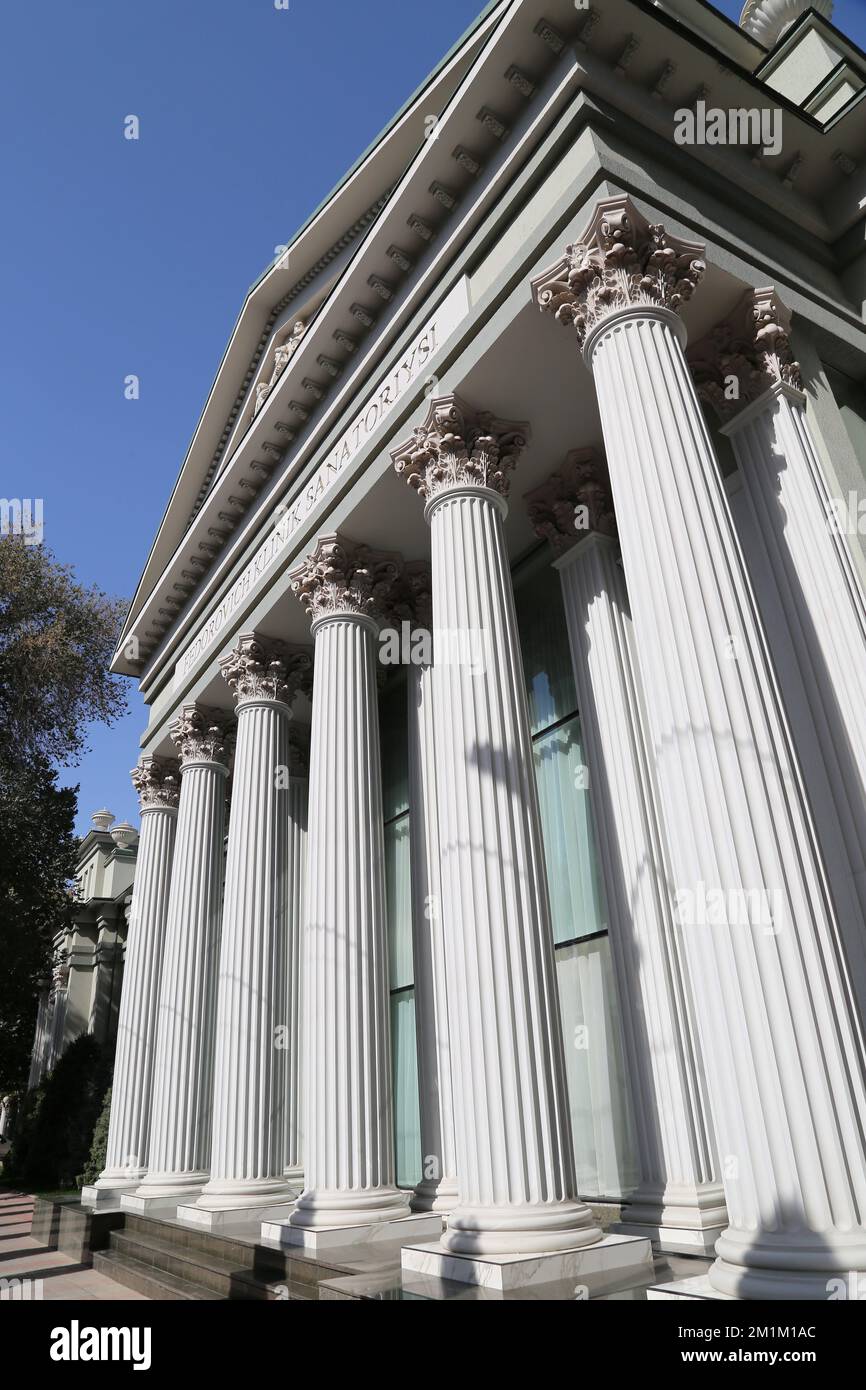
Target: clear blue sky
[{"x": 127, "y": 257}]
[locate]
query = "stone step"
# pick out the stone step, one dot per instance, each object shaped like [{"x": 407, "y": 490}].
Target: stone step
[
  {"x": 143, "y": 1278},
  {"x": 219, "y": 1277},
  {"x": 242, "y": 1253}
]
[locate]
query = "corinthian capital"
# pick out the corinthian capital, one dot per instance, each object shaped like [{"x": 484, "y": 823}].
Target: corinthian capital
[
  {"x": 261, "y": 669},
  {"x": 342, "y": 577},
  {"x": 459, "y": 447},
  {"x": 202, "y": 735},
  {"x": 573, "y": 503},
  {"x": 157, "y": 781},
  {"x": 746, "y": 354},
  {"x": 622, "y": 261}
]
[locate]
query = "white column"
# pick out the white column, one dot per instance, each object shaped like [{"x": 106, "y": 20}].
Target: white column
[
  {"x": 783, "y": 1055},
  {"x": 800, "y": 532},
  {"x": 157, "y": 782},
  {"x": 179, "y": 1150},
  {"x": 515, "y": 1162},
  {"x": 296, "y": 875},
  {"x": 437, "y": 1190},
  {"x": 37, "y": 1059},
  {"x": 249, "y": 1155},
  {"x": 680, "y": 1201},
  {"x": 346, "y": 1054}
]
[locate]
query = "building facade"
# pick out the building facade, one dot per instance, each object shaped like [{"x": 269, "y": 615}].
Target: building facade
[
  {"x": 83, "y": 994},
  {"x": 506, "y": 626}
]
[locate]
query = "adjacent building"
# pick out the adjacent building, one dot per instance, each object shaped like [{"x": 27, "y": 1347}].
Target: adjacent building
[{"x": 83, "y": 994}]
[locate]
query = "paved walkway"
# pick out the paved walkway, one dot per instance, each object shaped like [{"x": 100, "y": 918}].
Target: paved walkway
[{"x": 23, "y": 1258}]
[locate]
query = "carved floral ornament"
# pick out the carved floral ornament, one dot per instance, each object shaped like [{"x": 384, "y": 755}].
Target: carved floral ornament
[
  {"x": 259, "y": 669},
  {"x": 746, "y": 354},
  {"x": 157, "y": 781},
  {"x": 202, "y": 735},
  {"x": 574, "y": 502},
  {"x": 622, "y": 261},
  {"x": 342, "y": 577},
  {"x": 459, "y": 447}
]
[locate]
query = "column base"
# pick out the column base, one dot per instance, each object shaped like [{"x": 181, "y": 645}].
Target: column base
[
  {"x": 790, "y": 1265},
  {"x": 321, "y": 1207},
  {"x": 421, "y": 1226},
  {"x": 442, "y": 1196},
  {"x": 698, "y": 1286},
  {"x": 294, "y": 1176},
  {"x": 162, "y": 1195},
  {"x": 223, "y": 1219},
  {"x": 527, "y": 1229},
  {"x": 672, "y": 1240},
  {"x": 613, "y": 1254},
  {"x": 679, "y": 1218},
  {"x": 105, "y": 1198},
  {"x": 223, "y": 1194}
]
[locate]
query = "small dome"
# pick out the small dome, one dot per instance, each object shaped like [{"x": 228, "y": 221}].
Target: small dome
[
  {"x": 102, "y": 820},
  {"x": 767, "y": 20}
]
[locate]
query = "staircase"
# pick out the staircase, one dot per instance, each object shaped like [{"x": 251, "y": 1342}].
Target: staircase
[{"x": 164, "y": 1260}]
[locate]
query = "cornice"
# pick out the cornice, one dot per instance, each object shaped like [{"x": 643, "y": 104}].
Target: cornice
[
  {"x": 444, "y": 190},
  {"x": 485, "y": 132}
]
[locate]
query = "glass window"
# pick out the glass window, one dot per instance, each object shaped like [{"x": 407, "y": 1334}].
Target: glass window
[
  {"x": 404, "y": 1063},
  {"x": 601, "y": 1124},
  {"x": 576, "y": 898},
  {"x": 399, "y": 895},
  {"x": 394, "y": 727},
  {"x": 394, "y": 738},
  {"x": 544, "y": 644}
]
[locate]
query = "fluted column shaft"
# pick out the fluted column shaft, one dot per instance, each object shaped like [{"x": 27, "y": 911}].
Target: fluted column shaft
[
  {"x": 782, "y": 1050},
  {"x": 132, "y": 1099},
  {"x": 296, "y": 880},
  {"x": 514, "y": 1154},
  {"x": 825, "y": 618},
  {"x": 437, "y": 1189},
  {"x": 249, "y": 1127},
  {"x": 183, "y": 1069},
  {"x": 346, "y": 1060},
  {"x": 680, "y": 1190}
]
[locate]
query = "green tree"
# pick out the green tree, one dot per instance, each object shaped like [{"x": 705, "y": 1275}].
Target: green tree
[
  {"x": 56, "y": 641},
  {"x": 52, "y": 1143}
]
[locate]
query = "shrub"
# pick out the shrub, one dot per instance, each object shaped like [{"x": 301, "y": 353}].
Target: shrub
[
  {"x": 55, "y": 1133},
  {"x": 99, "y": 1147}
]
